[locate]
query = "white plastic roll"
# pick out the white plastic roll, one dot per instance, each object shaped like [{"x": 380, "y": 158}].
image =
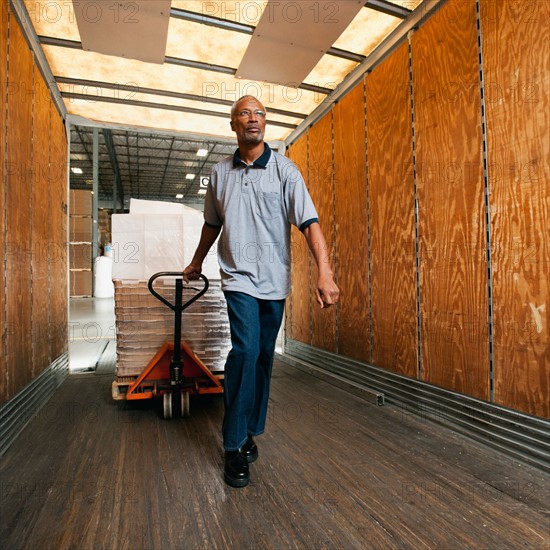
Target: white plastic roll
[{"x": 103, "y": 269}]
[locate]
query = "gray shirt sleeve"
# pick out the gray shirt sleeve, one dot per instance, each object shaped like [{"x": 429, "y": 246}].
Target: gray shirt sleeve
[
  {"x": 299, "y": 206},
  {"x": 212, "y": 216}
]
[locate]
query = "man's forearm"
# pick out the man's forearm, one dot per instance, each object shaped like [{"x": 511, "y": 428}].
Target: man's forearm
[
  {"x": 318, "y": 246},
  {"x": 326, "y": 291},
  {"x": 209, "y": 235}
]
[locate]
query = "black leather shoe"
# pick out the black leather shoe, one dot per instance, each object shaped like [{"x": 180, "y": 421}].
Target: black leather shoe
[
  {"x": 249, "y": 450},
  {"x": 236, "y": 469}
]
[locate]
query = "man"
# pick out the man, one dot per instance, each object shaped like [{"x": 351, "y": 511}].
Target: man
[{"x": 252, "y": 199}]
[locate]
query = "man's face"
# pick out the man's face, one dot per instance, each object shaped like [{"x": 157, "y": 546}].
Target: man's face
[{"x": 249, "y": 126}]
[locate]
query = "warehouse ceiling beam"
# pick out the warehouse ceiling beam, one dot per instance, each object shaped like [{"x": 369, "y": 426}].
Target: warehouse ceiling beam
[
  {"x": 201, "y": 65},
  {"x": 163, "y": 177},
  {"x": 130, "y": 178},
  {"x": 86, "y": 150},
  {"x": 389, "y": 8},
  {"x": 211, "y": 21},
  {"x": 345, "y": 54},
  {"x": 150, "y": 153},
  {"x": 207, "y": 162},
  {"x": 160, "y": 155},
  {"x": 144, "y": 174},
  {"x": 117, "y": 183},
  {"x": 60, "y": 42}
]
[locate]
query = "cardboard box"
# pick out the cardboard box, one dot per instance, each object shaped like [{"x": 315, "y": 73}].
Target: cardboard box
[
  {"x": 81, "y": 202},
  {"x": 81, "y": 282},
  {"x": 80, "y": 229},
  {"x": 80, "y": 255}
]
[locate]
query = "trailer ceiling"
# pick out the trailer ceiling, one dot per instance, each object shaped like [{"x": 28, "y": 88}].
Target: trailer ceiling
[{"x": 189, "y": 94}]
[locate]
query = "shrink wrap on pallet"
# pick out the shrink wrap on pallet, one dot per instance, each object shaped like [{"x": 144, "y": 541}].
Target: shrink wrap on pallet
[{"x": 144, "y": 244}]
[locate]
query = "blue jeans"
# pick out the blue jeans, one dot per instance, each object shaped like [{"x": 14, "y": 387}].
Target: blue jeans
[{"x": 254, "y": 325}]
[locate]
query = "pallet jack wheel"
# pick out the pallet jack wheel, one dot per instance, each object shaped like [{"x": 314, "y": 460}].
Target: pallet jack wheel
[
  {"x": 167, "y": 405},
  {"x": 185, "y": 404},
  {"x": 175, "y": 404}
]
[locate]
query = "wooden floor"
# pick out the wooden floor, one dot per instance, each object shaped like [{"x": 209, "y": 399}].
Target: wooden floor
[{"x": 334, "y": 472}]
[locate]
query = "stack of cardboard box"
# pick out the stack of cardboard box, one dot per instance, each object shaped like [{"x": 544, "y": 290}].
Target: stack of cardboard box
[
  {"x": 163, "y": 239},
  {"x": 80, "y": 244},
  {"x": 143, "y": 324}
]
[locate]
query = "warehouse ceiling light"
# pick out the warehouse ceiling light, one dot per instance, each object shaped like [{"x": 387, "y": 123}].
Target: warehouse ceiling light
[{"x": 202, "y": 152}]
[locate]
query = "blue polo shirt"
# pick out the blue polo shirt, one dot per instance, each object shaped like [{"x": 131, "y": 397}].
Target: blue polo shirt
[{"x": 255, "y": 205}]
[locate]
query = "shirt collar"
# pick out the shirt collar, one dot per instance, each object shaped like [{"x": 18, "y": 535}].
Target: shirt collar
[{"x": 260, "y": 162}]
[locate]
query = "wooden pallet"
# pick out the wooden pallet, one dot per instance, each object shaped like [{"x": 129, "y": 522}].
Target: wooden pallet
[{"x": 120, "y": 385}]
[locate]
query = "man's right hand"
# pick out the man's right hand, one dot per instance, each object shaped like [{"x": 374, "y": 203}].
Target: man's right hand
[{"x": 191, "y": 272}]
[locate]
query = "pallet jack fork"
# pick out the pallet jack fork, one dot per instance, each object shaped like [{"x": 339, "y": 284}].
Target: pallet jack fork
[{"x": 175, "y": 372}]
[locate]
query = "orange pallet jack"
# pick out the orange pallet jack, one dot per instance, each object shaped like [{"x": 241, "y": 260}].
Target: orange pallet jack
[{"x": 175, "y": 372}]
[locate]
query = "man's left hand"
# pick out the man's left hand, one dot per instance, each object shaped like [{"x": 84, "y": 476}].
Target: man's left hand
[{"x": 327, "y": 293}]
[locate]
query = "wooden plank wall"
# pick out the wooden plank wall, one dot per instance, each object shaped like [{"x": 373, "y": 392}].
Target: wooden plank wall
[
  {"x": 351, "y": 266},
  {"x": 3, "y": 143},
  {"x": 321, "y": 185},
  {"x": 516, "y": 63},
  {"x": 33, "y": 213},
  {"x": 391, "y": 192},
  {"x": 17, "y": 211},
  {"x": 40, "y": 223},
  {"x": 298, "y": 321},
  {"x": 451, "y": 207},
  {"x": 482, "y": 235}
]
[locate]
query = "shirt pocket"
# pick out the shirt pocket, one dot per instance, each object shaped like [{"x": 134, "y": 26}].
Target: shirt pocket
[{"x": 269, "y": 205}]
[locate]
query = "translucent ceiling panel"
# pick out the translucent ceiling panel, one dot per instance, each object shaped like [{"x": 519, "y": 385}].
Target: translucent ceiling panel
[
  {"x": 330, "y": 71},
  {"x": 150, "y": 118},
  {"x": 366, "y": 31},
  {"x": 198, "y": 42},
  {"x": 247, "y": 12},
  {"x": 54, "y": 19}
]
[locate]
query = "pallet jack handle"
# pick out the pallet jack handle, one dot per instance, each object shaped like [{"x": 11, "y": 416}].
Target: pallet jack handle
[
  {"x": 176, "y": 364},
  {"x": 179, "y": 283}
]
